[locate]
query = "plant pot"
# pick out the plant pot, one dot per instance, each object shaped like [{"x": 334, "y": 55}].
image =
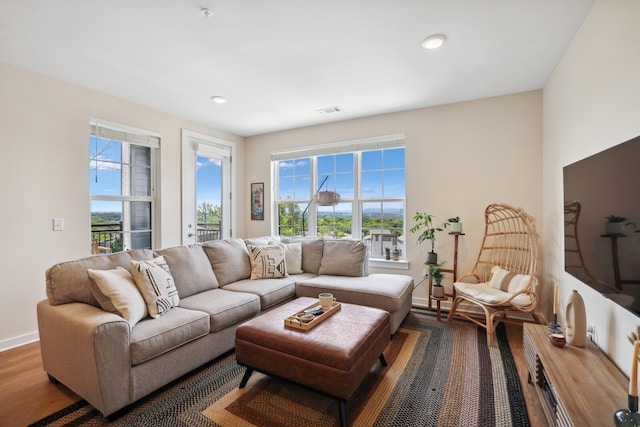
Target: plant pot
[
  {"x": 438, "y": 291},
  {"x": 455, "y": 227},
  {"x": 614, "y": 228},
  {"x": 432, "y": 258}
]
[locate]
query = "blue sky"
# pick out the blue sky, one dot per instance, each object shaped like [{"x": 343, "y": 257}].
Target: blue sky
[
  {"x": 106, "y": 166},
  {"x": 383, "y": 175},
  {"x": 209, "y": 181}
]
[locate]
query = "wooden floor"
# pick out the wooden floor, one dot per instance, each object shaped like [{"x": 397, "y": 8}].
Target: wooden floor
[{"x": 26, "y": 395}]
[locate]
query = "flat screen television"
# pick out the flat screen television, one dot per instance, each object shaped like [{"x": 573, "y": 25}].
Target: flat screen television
[{"x": 605, "y": 257}]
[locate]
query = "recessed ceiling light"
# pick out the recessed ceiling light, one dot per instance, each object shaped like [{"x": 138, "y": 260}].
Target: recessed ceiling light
[
  {"x": 219, "y": 99},
  {"x": 434, "y": 41},
  {"x": 329, "y": 110}
]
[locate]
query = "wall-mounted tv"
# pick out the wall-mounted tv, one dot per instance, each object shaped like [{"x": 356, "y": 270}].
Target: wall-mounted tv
[{"x": 597, "y": 189}]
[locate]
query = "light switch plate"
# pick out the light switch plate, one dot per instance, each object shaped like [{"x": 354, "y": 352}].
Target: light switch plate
[{"x": 58, "y": 224}]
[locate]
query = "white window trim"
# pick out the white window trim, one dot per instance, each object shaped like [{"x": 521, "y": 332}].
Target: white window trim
[
  {"x": 143, "y": 137},
  {"x": 195, "y": 143},
  {"x": 353, "y": 145}
]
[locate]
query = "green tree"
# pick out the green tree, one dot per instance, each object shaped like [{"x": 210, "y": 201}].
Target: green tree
[
  {"x": 209, "y": 214},
  {"x": 289, "y": 219}
]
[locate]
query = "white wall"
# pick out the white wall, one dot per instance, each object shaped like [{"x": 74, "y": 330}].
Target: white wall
[
  {"x": 590, "y": 103},
  {"x": 44, "y": 174},
  {"x": 460, "y": 158}
]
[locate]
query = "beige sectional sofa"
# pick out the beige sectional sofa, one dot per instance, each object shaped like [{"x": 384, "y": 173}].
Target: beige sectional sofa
[{"x": 106, "y": 339}]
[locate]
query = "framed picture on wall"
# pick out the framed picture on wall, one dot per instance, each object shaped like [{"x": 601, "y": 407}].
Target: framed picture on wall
[{"x": 257, "y": 201}]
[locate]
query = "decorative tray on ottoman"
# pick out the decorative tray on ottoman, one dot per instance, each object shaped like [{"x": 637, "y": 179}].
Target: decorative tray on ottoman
[{"x": 299, "y": 321}]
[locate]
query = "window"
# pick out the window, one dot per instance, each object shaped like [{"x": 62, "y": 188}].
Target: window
[
  {"x": 122, "y": 187},
  {"x": 368, "y": 174}
]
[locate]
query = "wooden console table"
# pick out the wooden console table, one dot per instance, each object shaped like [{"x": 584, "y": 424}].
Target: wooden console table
[{"x": 577, "y": 386}]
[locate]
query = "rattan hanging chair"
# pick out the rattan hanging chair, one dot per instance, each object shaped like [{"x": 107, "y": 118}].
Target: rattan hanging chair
[{"x": 503, "y": 279}]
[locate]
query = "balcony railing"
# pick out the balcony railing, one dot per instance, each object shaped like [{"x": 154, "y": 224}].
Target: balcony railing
[
  {"x": 109, "y": 237},
  {"x": 106, "y": 237},
  {"x": 208, "y": 232}
]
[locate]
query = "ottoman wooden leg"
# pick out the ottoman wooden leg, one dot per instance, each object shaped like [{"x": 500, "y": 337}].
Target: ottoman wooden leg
[
  {"x": 383, "y": 360},
  {"x": 343, "y": 413},
  {"x": 246, "y": 376}
]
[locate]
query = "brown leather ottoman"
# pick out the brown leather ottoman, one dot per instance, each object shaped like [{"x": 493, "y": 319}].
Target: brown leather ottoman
[{"x": 333, "y": 357}]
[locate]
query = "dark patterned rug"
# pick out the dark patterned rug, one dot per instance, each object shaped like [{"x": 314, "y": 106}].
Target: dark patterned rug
[{"x": 438, "y": 374}]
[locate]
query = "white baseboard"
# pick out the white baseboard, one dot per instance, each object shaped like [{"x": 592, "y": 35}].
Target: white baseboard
[{"x": 18, "y": 341}]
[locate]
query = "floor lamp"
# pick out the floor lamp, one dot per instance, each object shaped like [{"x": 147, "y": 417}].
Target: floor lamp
[{"x": 324, "y": 198}]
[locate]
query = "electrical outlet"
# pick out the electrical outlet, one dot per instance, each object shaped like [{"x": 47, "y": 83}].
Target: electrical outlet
[
  {"x": 58, "y": 224},
  {"x": 591, "y": 331}
]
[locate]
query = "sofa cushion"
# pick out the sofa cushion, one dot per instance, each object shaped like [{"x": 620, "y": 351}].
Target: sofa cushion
[
  {"x": 229, "y": 259},
  {"x": 190, "y": 269},
  {"x": 153, "y": 337},
  {"x": 385, "y": 291},
  {"x": 155, "y": 283},
  {"x": 293, "y": 257},
  {"x": 270, "y": 291},
  {"x": 343, "y": 258},
  {"x": 312, "y": 248},
  {"x": 267, "y": 262},
  {"x": 225, "y": 308},
  {"x": 118, "y": 285},
  {"x": 68, "y": 281},
  {"x": 263, "y": 241},
  {"x": 490, "y": 295}
]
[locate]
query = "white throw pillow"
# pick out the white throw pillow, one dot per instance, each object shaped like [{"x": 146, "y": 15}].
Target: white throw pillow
[
  {"x": 507, "y": 281},
  {"x": 155, "y": 283},
  {"x": 267, "y": 262},
  {"x": 118, "y": 285},
  {"x": 293, "y": 257}
]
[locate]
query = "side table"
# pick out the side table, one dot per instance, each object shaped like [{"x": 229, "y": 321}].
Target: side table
[{"x": 438, "y": 301}]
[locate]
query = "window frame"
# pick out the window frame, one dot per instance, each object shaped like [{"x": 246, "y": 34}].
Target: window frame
[
  {"x": 139, "y": 137},
  {"x": 352, "y": 146}
]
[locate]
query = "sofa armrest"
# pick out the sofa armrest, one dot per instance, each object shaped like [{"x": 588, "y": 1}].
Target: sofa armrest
[{"x": 87, "y": 349}]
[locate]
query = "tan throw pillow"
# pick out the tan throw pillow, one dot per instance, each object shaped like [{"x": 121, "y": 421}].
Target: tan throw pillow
[
  {"x": 507, "y": 281},
  {"x": 293, "y": 257},
  {"x": 118, "y": 285},
  {"x": 267, "y": 262},
  {"x": 312, "y": 248},
  {"x": 229, "y": 259},
  {"x": 343, "y": 257},
  {"x": 155, "y": 283}
]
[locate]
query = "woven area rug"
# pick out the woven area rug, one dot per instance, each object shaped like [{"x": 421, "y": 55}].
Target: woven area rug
[{"x": 438, "y": 374}]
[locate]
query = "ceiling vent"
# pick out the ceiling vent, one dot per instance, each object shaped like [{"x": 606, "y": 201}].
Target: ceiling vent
[{"x": 329, "y": 110}]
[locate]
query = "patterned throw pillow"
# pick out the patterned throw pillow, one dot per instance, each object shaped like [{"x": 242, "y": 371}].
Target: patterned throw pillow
[
  {"x": 507, "y": 281},
  {"x": 267, "y": 262},
  {"x": 153, "y": 279},
  {"x": 119, "y": 287}
]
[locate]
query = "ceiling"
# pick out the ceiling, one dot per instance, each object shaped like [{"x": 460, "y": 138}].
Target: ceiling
[{"x": 277, "y": 62}]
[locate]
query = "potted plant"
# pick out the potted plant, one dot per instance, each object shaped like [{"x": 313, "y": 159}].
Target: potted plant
[
  {"x": 615, "y": 225},
  {"x": 435, "y": 272},
  {"x": 454, "y": 224},
  {"x": 424, "y": 225}
]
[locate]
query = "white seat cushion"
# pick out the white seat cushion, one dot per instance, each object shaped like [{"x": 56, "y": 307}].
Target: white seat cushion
[{"x": 490, "y": 295}]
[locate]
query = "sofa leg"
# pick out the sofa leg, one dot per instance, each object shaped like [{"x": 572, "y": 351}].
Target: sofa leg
[
  {"x": 53, "y": 379},
  {"x": 246, "y": 376}
]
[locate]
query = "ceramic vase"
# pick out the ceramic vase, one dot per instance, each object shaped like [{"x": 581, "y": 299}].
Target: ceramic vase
[
  {"x": 438, "y": 291},
  {"x": 576, "y": 318},
  {"x": 455, "y": 227}
]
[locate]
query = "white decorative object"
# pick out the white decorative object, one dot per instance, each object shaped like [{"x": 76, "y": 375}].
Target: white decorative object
[{"x": 576, "y": 318}]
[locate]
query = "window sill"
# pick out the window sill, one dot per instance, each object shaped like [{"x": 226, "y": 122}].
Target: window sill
[{"x": 383, "y": 263}]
